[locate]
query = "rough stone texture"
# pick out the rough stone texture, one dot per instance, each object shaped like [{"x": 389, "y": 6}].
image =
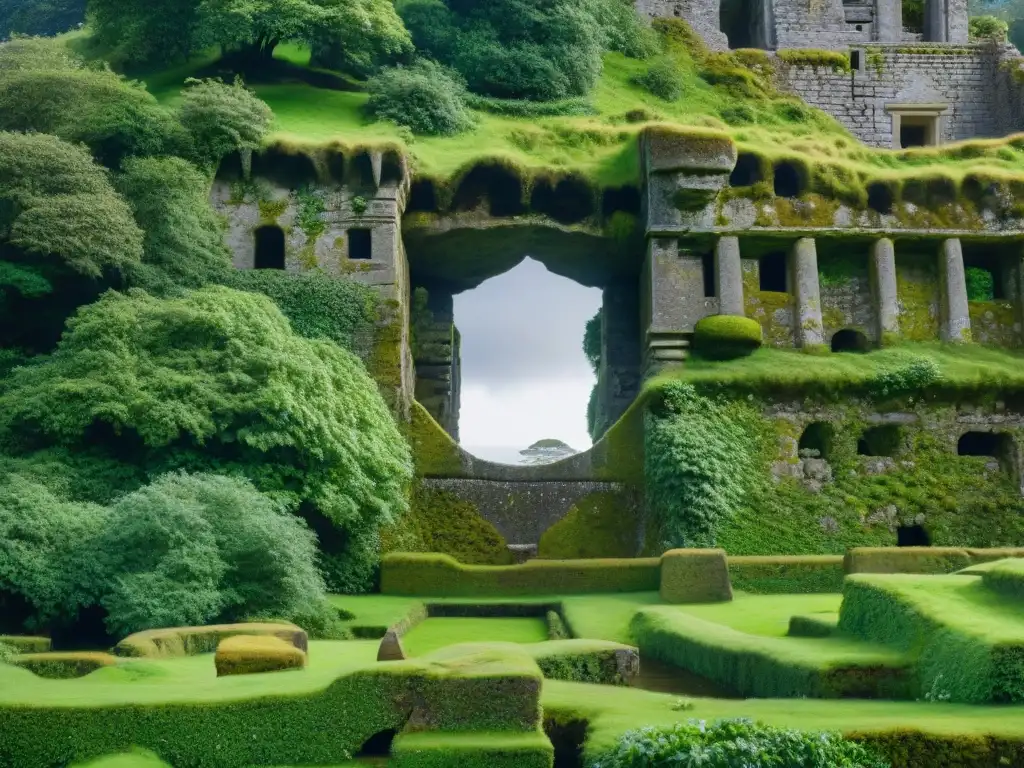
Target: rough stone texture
[
  {"x": 804, "y": 259},
  {"x": 729, "y": 276},
  {"x": 619, "y": 377},
  {"x": 702, "y": 15},
  {"x": 436, "y": 354},
  {"x": 522, "y": 511},
  {"x": 391, "y": 647},
  {"x": 883, "y": 287},
  {"x": 955, "y": 312},
  {"x": 773, "y": 310},
  {"x": 846, "y": 299},
  {"x": 962, "y": 76}
]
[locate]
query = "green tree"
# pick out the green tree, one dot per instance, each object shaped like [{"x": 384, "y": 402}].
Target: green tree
[
  {"x": 133, "y": 31},
  {"x": 221, "y": 119},
  {"x": 183, "y": 244},
  {"x": 366, "y": 34},
  {"x": 218, "y": 381},
  {"x": 39, "y": 17}
]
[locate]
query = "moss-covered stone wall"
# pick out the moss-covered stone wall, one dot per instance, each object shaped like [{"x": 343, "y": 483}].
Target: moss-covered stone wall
[
  {"x": 917, "y": 285},
  {"x": 846, "y": 300},
  {"x": 774, "y": 310}
]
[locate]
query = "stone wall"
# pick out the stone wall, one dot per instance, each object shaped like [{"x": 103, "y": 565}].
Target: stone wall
[
  {"x": 521, "y": 510},
  {"x": 816, "y": 24},
  {"x": 619, "y": 376},
  {"x": 436, "y": 355},
  {"x": 702, "y": 15},
  {"x": 961, "y": 77}
]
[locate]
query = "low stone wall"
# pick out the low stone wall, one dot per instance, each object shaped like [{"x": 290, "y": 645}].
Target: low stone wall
[{"x": 523, "y": 510}]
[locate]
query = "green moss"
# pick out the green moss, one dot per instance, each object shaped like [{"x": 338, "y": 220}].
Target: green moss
[
  {"x": 811, "y": 57},
  {"x": 723, "y": 337},
  {"x": 270, "y": 210},
  {"x": 598, "y": 525},
  {"x": 992, "y": 322},
  {"x": 917, "y": 285},
  {"x": 440, "y": 521},
  {"x": 434, "y": 452}
]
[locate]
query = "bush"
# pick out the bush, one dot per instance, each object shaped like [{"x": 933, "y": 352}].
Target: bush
[
  {"x": 601, "y": 524},
  {"x": 251, "y": 654},
  {"x": 980, "y": 284},
  {"x": 1005, "y": 577},
  {"x": 906, "y": 560},
  {"x": 729, "y": 743},
  {"x": 424, "y": 98},
  {"x": 442, "y": 576},
  {"x": 190, "y": 549},
  {"x": 24, "y": 644},
  {"x": 988, "y": 28},
  {"x": 695, "y": 576},
  {"x": 587, "y": 661},
  {"x": 787, "y": 575},
  {"x": 64, "y": 666},
  {"x": 222, "y": 119},
  {"x": 662, "y": 78},
  {"x": 815, "y": 625},
  {"x": 725, "y": 337},
  {"x": 193, "y": 641}
]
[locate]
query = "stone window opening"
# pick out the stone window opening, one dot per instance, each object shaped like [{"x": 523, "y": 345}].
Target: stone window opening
[
  {"x": 707, "y": 265},
  {"x": 816, "y": 441},
  {"x": 913, "y": 536},
  {"x": 788, "y": 181},
  {"x": 855, "y": 57},
  {"x": 772, "y": 271},
  {"x": 747, "y": 171},
  {"x": 880, "y": 441},
  {"x": 994, "y": 444},
  {"x": 850, "y": 340},
  {"x": 984, "y": 279},
  {"x": 880, "y": 197},
  {"x": 916, "y": 125},
  {"x": 270, "y": 251},
  {"x": 360, "y": 244}
]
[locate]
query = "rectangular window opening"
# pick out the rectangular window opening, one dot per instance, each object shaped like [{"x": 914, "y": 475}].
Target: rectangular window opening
[
  {"x": 772, "y": 273},
  {"x": 707, "y": 263},
  {"x": 360, "y": 244}
]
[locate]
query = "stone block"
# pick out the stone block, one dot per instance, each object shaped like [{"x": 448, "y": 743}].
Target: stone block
[{"x": 391, "y": 647}]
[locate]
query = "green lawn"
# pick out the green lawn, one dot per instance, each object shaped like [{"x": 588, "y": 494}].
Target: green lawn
[
  {"x": 763, "y": 614},
  {"x": 434, "y": 634}
]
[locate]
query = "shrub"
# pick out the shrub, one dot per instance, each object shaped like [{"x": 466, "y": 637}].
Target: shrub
[
  {"x": 64, "y": 666},
  {"x": 988, "y": 28},
  {"x": 724, "y": 337},
  {"x": 24, "y": 644},
  {"x": 728, "y": 743},
  {"x": 442, "y": 576},
  {"x": 814, "y": 625},
  {"x": 662, "y": 78},
  {"x": 980, "y": 284},
  {"x": 424, "y": 98},
  {"x": 906, "y": 560},
  {"x": 601, "y": 524},
  {"x": 556, "y": 627},
  {"x": 586, "y": 661},
  {"x": 695, "y": 576},
  {"x": 192, "y": 641},
  {"x": 251, "y": 654},
  {"x": 190, "y": 549},
  {"x": 1005, "y": 577},
  {"x": 221, "y": 119},
  {"x": 787, "y": 575}
]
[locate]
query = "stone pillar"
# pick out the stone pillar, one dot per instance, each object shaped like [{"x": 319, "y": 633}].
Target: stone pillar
[
  {"x": 437, "y": 358},
  {"x": 804, "y": 261},
  {"x": 673, "y": 301},
  {"x": 935, "y": 21},
  {"x": 888, "y": 26},
  {"x": 619, "y": 377},
  {"x": 954, "y": 310},
  {"x": 729, "y": 276},
  {"x": 883, "y": 285}
]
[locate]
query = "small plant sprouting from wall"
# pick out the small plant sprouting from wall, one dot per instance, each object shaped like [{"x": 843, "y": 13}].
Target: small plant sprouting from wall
[
  {"x": 310, "y": 213},
  {"x": 359, "y": 205}
]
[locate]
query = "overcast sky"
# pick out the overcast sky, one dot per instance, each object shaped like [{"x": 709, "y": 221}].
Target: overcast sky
[{"x": 524, "y": 375}]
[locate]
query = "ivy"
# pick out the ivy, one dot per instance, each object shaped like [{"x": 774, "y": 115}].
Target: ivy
[{"x": 310, "y": 214}]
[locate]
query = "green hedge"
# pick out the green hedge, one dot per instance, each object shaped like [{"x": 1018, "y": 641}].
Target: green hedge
[
  {"x": 64, "y": 665},
  {"x": 26, "y": 644},
  {"x": 586, "y": 661},
  {"x": 599, "y": 525},
  {"x": 494, "y": 691},
  {"x": 787, "y": 575},
  {"x": 813, "y": 625},
  {"x": 472, "y": 750},
  {"x": 724, "y": 337},
  {"x": 769, "y": 667},
  {"x": 967, "y": 647},
  {"x": 1004, "y": 576},
  {"x": 908, "y": 559},
  {"x": 441, "y": 576},
  {"x": 252, "y": 654},
  {"x": 191, "y": 641},
  {"x": 695, "y": 576},
  {"x": 915, "y": 749}
]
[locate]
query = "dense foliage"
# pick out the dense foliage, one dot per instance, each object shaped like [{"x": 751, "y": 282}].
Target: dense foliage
[
  {"x": 184, "y": 550},
  {"x": 698, "y": 459},
  {"x": 735, "y": 744},
  {"x": 39, "y": 17},
  {"x": 218, "y": 381},
  {"x": 525, "y": 49},
  {"x": 168, "y": 30},
  {"x": 424, "y": 98},
  {"x": 661, "y": 78}
]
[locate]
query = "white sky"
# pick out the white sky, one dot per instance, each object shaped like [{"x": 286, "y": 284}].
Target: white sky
[{"x": 524, "y": 375}]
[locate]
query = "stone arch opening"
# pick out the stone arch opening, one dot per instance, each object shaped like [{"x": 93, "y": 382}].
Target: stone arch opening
[
  {"x": 378, "y": 745},
  {"x": 880, "y": 197},
  {"x": 747, "y": 171},
  {"x": 788, "y": 180},
  {"x": 746, "y": 23},
  {"x": 994, "y": 444},
  {"x": 270, "y": 247},
  {"x": 850, "y": 340},
  {"x": 620, "y": 199},
  {"x": 288, "y": 169},
  {"x": 496, "y": 185},
  {"x": 567, "y": 201},
  {"x": 816, "y": 441},
  {"x": 885, "y": 440},
  {"x": 422, "y": 197},
  {"x": 986, "y": 278},
  {"x": 913, "y": 535}
]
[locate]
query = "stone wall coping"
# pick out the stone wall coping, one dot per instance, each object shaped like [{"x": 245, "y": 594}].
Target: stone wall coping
[{"x": 968, "y": 235}]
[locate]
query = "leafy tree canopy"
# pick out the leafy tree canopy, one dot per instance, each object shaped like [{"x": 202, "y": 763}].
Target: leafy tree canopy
[
  {"x": 217, "y": 380},
  {"x": 39, "y": 17},
  {"x": 222, "y": 119}
]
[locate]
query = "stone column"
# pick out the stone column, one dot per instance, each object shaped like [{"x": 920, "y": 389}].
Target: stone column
[
  {"x": 935, "y": 20},
  {"x": 729, "y": 276},
  {"x": 888, "y": 21},
  {"x": 955, "y": 313},
  {"x": 883, "y": 284},
  {"x": 804, "y": 261}
]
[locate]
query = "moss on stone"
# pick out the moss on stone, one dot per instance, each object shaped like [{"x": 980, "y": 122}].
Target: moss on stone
[
  {"x": 598, "y": 525},
  {"x": 917, "y": 286},
  {"x": 271, "y": 210},
  {"x": 813, "y": 57},
  {"x": 723, "y": 337},
  {"x": 994, "y": 323},
  {"x": 434, "y": 452}
]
